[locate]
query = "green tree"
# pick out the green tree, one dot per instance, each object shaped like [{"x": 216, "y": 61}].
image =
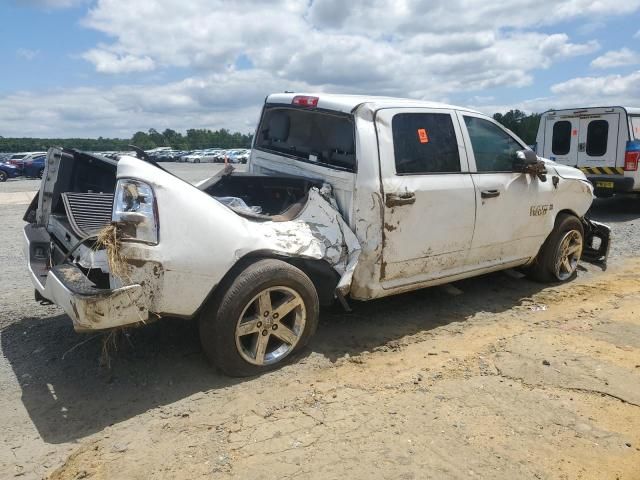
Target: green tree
[{"x": 523, "y": 125}]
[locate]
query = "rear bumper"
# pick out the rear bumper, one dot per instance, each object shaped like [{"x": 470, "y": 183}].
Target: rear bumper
[
  {"x": 89, "y": 307},
  {"x": 609, "y": 184}
]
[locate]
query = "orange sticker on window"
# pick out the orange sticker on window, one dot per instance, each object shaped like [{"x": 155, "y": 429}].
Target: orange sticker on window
[
  {"x": 422, "y": 135},
  {"x": 574, "y": 133}
]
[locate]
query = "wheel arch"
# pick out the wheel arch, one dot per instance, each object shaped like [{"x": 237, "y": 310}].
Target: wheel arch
[{"x": 320, "y": 272}]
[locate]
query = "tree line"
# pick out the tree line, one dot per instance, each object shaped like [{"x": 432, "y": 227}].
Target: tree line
[
  {"x": 523, "y": 125},
  {"x": 194, "y": 139}
]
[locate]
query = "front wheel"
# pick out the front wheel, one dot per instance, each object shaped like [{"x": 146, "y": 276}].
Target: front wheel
[
  {"x": 558, "y": 258},
  {"x": 3, "y": 176},
  {"x": 263, "y": 316}
]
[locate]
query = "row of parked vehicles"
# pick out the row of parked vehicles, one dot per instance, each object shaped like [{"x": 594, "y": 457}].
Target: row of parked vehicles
[
  {"x": 25, "y": 164},
  {"x": 31, "y": 164},
  {"x": 209, "y": 155}
]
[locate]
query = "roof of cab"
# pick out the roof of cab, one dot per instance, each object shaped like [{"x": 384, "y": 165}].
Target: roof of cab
[{"x": 348, "y": 103}]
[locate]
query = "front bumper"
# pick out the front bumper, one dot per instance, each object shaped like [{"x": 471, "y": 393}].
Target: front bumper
[
  {"x": 89, "y": 307},
  {"x": 604, "y": 185},
  {"x": 597, "y": 241}
]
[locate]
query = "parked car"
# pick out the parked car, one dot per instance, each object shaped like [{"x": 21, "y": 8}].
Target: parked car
[
  {"x": 18, "y": 159},
  {"x": 346, "y": 197},
  {"x": 8, "y": 171},
  {"x": 603, "y": 142},
  {"x": 33, "y": 167}
]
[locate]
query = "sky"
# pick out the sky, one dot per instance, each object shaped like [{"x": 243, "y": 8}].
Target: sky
[{"x": 88, "y": 68}]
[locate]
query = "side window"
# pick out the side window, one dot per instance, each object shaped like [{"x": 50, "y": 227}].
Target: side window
[
  {"x": 561, "y": 140},
  {"x": 425, "y": 143},
  {"x": 597, "y": 136},
  {"x": 493, "y": 149}
]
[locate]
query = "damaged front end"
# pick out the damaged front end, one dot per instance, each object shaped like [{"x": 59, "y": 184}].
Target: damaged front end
[
  {"x": 597, "y": 241},
  {"x": 120, "y": 243}
]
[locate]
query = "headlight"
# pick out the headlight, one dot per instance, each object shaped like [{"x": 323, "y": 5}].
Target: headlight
[{"x": 134, "y": 208}]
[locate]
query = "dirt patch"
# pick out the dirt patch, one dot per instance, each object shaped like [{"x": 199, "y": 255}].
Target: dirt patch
[{"x": 547, "y": 388}]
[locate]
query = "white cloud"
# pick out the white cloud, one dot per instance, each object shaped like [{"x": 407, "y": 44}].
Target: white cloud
[
  {"x": 581, "y": 92},
  {"x": 637, "y": 34},
  {"x": 222, "y": 100},
  {"x": 27, "y": 54},
  {"x": 108, "y": 62},
  {"x": 617, "y": 58},
  {"x": 429, "y": 49}
]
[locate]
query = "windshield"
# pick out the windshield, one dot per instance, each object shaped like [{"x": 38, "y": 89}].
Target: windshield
[
  {"x": 635, "y": 127},
  {"x": 313, "y": 136}
]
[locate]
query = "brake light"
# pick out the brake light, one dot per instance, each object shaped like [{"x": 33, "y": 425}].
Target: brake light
[
  {"x": 305, "y": 101},
  {"x": 631, "y": 161},
  {"x": 135, "y": 206}
]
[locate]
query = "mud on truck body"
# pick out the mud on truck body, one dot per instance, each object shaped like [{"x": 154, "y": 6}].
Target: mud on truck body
[{"x": 346, "y": 197}]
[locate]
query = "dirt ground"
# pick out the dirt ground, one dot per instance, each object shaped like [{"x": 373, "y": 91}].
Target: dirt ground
[{"x": 497, "y": 378}]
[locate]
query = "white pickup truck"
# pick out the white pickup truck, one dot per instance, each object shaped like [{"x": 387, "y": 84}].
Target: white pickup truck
[{"x": 346, "y": 197}]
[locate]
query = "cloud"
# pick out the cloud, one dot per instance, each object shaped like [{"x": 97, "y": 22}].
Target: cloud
[
  {"x": 580, "y": 92},
  {"x": 616, "y": 58},
  {"x": 27, "y": 54},
  {"x": 411, "y": 48},
  {"x": 107, "y": 62},
  {"x": 223, "y": 100}
]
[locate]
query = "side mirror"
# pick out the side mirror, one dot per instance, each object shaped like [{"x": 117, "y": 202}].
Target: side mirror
[{"x": 525, "y": 159}]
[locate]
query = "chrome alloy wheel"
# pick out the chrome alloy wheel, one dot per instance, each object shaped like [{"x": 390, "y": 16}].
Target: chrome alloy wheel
[
  {"x": 270, "y": 325},
  {"x": 569, "y": 252}
]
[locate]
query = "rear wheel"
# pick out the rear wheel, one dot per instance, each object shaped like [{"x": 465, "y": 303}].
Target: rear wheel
[
  {"x": 3, "y": 176},
  {"x": 262, "y": 317},
  {"x": 40, "y": 173},
  {"x": 558, "y": 258}
]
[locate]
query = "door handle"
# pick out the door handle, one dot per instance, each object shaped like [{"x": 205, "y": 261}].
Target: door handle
[
  {"x": 398, "y": 199},
  {"x": 490, "y": 193}
]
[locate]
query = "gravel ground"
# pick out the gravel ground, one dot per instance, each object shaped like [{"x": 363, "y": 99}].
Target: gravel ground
[{"x": 510, "y": 379}]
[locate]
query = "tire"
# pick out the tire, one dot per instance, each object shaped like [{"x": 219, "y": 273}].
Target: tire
[
  {"x": 40, "y": 173},
  {"x": 3, "y": 176},
  {"x": 239, "y": 338},
  {"x": 557, "y": 260}
]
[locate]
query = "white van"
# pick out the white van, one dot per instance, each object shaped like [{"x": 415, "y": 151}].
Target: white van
[{"x": 603, "y": 142}]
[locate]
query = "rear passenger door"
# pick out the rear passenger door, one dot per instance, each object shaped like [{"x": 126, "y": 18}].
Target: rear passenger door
[{"x": 429, "y": 199}]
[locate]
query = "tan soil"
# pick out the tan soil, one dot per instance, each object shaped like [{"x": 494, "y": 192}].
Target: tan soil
[{"x": 547, "y": 386}]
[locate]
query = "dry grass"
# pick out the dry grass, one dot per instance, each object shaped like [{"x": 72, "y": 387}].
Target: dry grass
[{"x": 109, "y": 239}]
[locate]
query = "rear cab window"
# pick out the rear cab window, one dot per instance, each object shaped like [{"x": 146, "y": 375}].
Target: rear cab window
[
  {"x": 425, "y": 143},
  {"x": 315, "y": 136}
]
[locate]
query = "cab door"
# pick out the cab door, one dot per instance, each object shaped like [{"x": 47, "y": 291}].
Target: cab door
[
  {"x": 512, "y": 208},
  {"x": 428, "y": 194}
]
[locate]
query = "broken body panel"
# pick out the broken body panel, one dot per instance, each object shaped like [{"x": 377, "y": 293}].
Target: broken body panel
[{"x": 200, "y": 241}]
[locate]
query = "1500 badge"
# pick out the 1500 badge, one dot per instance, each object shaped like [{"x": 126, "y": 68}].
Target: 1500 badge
[{"x": 538, "y": 210}]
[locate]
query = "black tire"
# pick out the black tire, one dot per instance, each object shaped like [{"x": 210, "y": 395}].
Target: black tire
[
  {"x": 222, "y": 314},
  {"x": 40, "y": 173},
  {"x": 3, "y": 176},
  {"x": 545, "y": 266}
]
